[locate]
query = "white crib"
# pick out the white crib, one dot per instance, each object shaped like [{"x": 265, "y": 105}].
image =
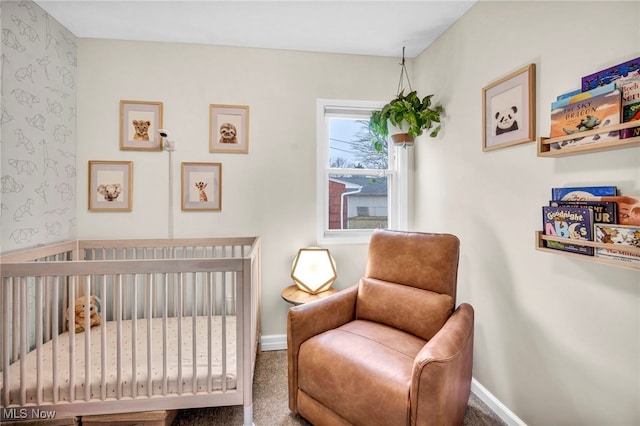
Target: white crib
[{"x": 180, "y": 326}]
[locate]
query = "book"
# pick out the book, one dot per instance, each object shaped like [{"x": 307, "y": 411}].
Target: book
[
  {"x": 590, "y": 113},
  {"x": 568, "y": 94},
  {"x": 603, "y": 211},
  {"x": 582, "y": 193},
  {"x": 630, "y": 95},
  {"x": 577, "y": 96},
  {"x": 628, "y": 208},
  {"x": 623, "y": 242},
  {"x": 575, "y": 223},
  {"x": 628, "y": 69}
]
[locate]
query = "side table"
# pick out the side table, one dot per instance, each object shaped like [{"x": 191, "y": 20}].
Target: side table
[{"x": 294, "y": 295}]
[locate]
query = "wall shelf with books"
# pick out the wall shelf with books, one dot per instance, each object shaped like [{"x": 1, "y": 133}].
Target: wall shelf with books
[
  {"x": 540, "y": 245},
  {"x": 545, "y": 149}
]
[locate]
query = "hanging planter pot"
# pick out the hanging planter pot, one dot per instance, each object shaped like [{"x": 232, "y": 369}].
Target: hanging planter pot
[
  {"x": 409, "y": 113},
  {"x": 400, "y": 135}
]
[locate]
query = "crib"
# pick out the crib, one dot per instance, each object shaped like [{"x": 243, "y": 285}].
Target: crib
[{"x": 180, "y": 326}]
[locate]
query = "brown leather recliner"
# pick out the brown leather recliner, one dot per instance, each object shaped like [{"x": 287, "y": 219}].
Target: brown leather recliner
[{"x": 391, "y": 350}]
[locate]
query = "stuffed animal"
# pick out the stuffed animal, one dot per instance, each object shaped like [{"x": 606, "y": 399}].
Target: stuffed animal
[{"x": 94, "y": 317}]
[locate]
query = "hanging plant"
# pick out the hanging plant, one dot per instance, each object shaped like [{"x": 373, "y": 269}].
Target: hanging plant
[{"x": 410, "y": 114}]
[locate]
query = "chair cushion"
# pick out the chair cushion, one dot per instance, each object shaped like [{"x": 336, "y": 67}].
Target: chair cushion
[
  {"x": 370, "y": 362},
  {"x": 416, "y": 311}
]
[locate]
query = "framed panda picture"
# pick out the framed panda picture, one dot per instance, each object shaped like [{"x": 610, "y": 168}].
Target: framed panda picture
[{"x": 509, "y": 110}]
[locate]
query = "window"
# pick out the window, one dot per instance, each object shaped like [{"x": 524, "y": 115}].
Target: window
[{"x": 359, "y": 189}]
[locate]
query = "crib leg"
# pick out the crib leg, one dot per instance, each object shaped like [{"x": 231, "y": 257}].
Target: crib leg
[{"x": 248, "y": 416}]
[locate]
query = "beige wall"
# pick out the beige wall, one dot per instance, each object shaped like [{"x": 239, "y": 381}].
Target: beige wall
[
  {"x": 557, "y": 340},
  {"x": 269, "y": 192}
]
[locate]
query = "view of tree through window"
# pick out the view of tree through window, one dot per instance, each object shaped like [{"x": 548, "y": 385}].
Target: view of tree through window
[{"x": 358, "y": 198}]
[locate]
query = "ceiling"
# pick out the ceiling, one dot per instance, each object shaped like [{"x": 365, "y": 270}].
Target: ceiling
[{"x": 379, "y": 28}]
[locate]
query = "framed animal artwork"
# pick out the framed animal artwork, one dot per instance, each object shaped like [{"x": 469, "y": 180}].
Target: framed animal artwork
[
  {"x": 229, "y": 128},
  {"x": 509, "y": 110},
  {"x": 201, "y": 186},
  {"x": 110, "y": 185},
  {"x": 139, "y": 124}
]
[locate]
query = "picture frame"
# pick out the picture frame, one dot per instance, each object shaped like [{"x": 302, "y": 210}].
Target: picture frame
[
  {"x": 139, "y": 124},
  {"x": 110, "y": 185},
  {"x": 201, "y": 185},
  {"x": 229, "y": 128},
  {"x": 509, "y": 110}
]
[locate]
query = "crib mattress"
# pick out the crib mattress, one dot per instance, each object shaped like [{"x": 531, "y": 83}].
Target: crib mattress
[{"x": 164, "y": 357}]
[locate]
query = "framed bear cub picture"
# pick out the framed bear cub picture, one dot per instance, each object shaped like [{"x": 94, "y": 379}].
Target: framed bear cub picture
[
  {"x": 509, "y": 110},
  {"x": 139, "y": 124}
]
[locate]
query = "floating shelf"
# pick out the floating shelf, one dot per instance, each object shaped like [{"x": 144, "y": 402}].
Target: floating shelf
[
  {"x": 544, "y": 144},
  {"x": 541, "y": 238}
]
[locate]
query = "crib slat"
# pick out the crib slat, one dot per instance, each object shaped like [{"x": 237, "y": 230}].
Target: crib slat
[
  {"x": 72, "y": 338},
  {"x": 39, "y": 337},
  {"x": 87, "y": 340},
  {"x": 164, "y": 332},
  {"x": 54, "y": 343},
  {"x": 7, "y": 341},
  {"x": 103, "y": 341},
  {"x": 23, "y": 341},
  {"x": 194, "y": 334},
  {"x": 134, "y": 339},
  {"x": 223, "y": 378},
  {"x": 179, "y": 319},
  {"x": 150, "y": 284},
  {"x": 119, "y": 336}
]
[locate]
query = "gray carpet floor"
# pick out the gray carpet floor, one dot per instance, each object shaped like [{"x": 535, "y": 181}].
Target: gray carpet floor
[{"x": 270, "y": 404}]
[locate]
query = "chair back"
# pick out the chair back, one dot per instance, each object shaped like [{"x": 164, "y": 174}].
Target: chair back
[{"x": 410, "y": 281}]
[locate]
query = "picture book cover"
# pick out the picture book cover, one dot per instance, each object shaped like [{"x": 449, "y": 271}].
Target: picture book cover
[
  {"x": 630, "y": 94},
  {"x": 603, "y": 211},
  {"x": 628, "y": 207},
  {"x": 623, "y": 239},
  {"x": 628, "y": 69},
  {"x": 577, "y": 96},
  {"x": 582, "y": 193},
  {"x": 592, "y": 113},
  {"x": 568, "y": 94},
  {"x": 574, "y": 223}
]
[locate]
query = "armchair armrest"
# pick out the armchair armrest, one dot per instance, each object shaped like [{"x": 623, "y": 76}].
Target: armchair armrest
[
  {"x": 311, "y": 319},
  {"x": 441, "y": 378}
]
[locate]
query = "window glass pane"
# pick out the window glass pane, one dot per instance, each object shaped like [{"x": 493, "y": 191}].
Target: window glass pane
[
  {"x": 357, "y": 202},
  {"x": 350, "y": 145}
]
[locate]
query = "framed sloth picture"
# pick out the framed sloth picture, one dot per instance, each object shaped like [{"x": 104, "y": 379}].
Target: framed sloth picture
[
  {"x": 229, "y": 128},
  {"x": 110, "y": 185},
  {"x": 139, "y": 124},
  {"x": 509, "y": 110}
]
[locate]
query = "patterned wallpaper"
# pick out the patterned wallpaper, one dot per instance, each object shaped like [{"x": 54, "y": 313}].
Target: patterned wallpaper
[{"x": 38, "y": 137}]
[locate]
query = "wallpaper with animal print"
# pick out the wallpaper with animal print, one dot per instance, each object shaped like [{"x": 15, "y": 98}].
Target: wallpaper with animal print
[{"x": 38, "y": 117}]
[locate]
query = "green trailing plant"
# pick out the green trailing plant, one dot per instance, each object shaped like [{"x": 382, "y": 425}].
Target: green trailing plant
[{"x": 418, "y": 114}]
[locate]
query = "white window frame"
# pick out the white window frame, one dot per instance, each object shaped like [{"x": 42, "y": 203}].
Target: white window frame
[{"x": 397, "y": 174}]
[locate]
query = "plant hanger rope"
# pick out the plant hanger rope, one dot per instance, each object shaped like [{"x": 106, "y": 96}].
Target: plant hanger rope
[{"x": 403, "y": 72}]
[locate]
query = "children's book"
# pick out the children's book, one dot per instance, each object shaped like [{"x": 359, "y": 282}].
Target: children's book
[
  {"x": 628, "y": 69},
  {"x": 582, "y": 193},
  {"x": 590, "y": 113},
  {"x": 603, "y": 211},
  {"x": 630, "y": 93},
  {"x": 574, "y": 223},
  {"x": 623, "y": 242}
]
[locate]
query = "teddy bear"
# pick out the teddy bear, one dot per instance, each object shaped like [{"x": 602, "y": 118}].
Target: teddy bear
[{"x": 94, "y": 317}]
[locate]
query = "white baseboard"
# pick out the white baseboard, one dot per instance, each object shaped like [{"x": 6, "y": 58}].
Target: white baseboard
[
  {"x": 495, "y": 405},
  {"x": 273, "y": 342},
  {"x": 278, "y": 342}
]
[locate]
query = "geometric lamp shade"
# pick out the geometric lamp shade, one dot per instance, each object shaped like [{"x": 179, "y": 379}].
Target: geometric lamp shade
[{"x": 313, "y": 270}]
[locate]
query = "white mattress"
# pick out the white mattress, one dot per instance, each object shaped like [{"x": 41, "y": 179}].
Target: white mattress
[{"x": 170, "y": 353}]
